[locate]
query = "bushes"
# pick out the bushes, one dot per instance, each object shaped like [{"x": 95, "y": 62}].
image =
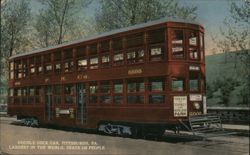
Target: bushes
[{"x": 222, "y": 87}]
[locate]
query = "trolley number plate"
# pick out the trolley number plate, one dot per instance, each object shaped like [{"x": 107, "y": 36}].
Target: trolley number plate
[{"x": 180, "y": 106}]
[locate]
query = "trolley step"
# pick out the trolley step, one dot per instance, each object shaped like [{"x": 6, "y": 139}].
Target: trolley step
[{"x": 207, "y": 125}]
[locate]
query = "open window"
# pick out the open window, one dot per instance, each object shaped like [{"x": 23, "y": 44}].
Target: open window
[
  {"x": 82, "y": 64},
  {"x": 193, "y": 45},
  {"x": 156, "y": 98},
  {"x": 58, "y": 68},
  {"x": 105, "y": 92},
  {"x": 69, "y": 66},
  {"x": 156, "y": 53},
  {"x": 18, "y": 69},
  {"x": 57, "y": 93},
  {"x": 135, "y": 85},
  {"x": 118, "y": 92},
  {"x": 134, "y": 44},
  {"x": 135, "y": 91},
  {"x": 25, "y": 68},
  {"x": 38, "y": 94},
  {"x": 39, "y": 68},
  {"x": 32, "y": 69},
  {"x": 93, "y": 91},
  {"x": 157, "y": 90},
  {"x": 157, "y": 84},
  {"x": 135, "y": 99},
  {"x": 24, "y": 95},
  {"x": 156, "y": 40},
  {"x": 118, "y": 56},
  {"x": 81, "y": 56},
  {"x": 118, "y": 59},
  {"x": 177, "y": 43},
  {"x": 104, "y": 50},
  {"x": 105, "y": 60},
  {"x": 57, "y": 62},
  {"x": 48, "y": 68},
  {"x": 68, "y": 60},
  {"x": 178, "y": 84},
  {"x": 31, "y": 93},
  {"x": 69, "y": 94},
  {"x": 11, "y": 96},
  {"x": 17, "y": 95},
  {"x": 194, "y": 81},
  {"x": 135, "y": 56},
  {"x": 93, "y": 62},
  {"x": 47, "y": 64}
]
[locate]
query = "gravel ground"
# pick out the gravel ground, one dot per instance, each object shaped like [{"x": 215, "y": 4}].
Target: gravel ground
[{"x": 26, "y": 140}]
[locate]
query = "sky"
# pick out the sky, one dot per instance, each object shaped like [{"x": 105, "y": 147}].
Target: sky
[{"x": 210, "y": 14}]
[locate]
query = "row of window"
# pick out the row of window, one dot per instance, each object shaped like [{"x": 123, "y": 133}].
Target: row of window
[
  {"x": 134, "y": 56},
  {"x": 105, "y": 91},
  {"x": 93, "y": 99},
  {"x": 194, "y": 44},
  {"x": 59, "y": 62}
]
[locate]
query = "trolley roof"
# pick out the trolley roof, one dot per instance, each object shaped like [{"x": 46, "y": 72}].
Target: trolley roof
[{"x": 105, "y": 34}]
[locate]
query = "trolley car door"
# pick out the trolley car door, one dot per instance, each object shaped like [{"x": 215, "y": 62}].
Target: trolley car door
[
  {"x": 81, "y": 103},
  {"x": 48, "y": 102}
]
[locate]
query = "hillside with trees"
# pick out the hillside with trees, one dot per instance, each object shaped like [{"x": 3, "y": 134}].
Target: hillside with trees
[{"x": 226, "y": 80}]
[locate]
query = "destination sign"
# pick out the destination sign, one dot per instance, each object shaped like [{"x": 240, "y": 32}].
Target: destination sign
[
  {"x": 194, "y": 68},
  {"x": 195, "y": 97}
]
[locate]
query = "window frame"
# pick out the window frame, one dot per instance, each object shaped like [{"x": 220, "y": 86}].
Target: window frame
[
  {"x": 95, "y": 65},
  {"x": 155, "y": 92},
  {"x": 138, "y": 93},
  {"x": 82, "y": 67},
  {"x": 137, "y": 59},
  {"x": 197, "y": 76},
  {"x": 72, "y": 95},
  {"x": 120, "y": 61},
  {"x": 105, "y": 64},
  {"x": 58, "y": 95},
  {"x": 93, "y": 94},
  {"x": 176, "y": 44},
  {"x": 192, "y": 47},
  {"x": 159, "y": 57},
  {"x": 120, "y": 94},
  {"x": 178, "y": 79}
]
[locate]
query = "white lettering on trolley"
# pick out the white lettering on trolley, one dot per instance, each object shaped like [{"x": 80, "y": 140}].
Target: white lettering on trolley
[{"x": 134, "y": 71}]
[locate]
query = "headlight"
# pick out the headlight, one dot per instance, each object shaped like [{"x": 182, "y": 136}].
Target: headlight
[{"x": 196, "y": 105}]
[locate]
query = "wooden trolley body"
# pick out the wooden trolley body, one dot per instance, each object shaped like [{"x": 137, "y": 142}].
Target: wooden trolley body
[{"x": 148, "y": 73}]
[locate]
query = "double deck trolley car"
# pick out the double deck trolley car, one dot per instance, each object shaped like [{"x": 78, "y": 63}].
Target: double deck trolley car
[{"x": 140, "y": 79}]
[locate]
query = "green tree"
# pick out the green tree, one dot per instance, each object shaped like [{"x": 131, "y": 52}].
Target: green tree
[
  {"x": 15, "y": 16},
  {"x": 225, "y": 86},
  {"x": 115, "y": 14},
  {"x": 236, "y": 37},
  {"x": 57, "y": 21}
]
